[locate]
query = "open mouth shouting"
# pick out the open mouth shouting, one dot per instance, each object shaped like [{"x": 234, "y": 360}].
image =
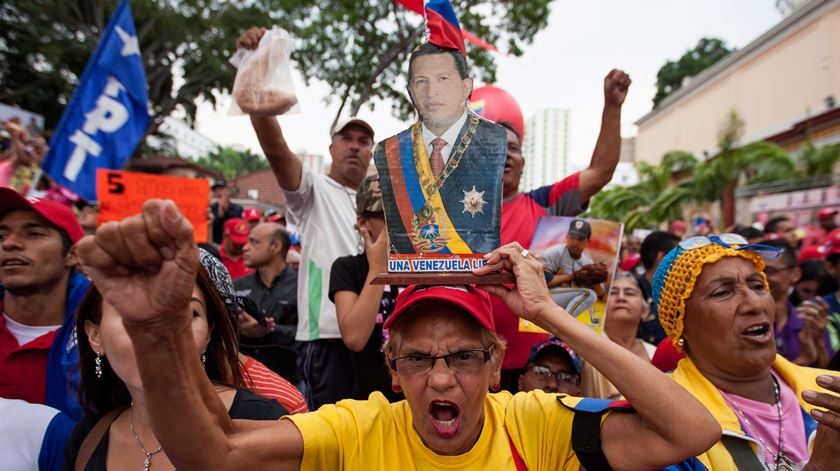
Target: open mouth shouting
[
  {"x": 445, "y": 417},
  {"x": 759, "y": 333}
]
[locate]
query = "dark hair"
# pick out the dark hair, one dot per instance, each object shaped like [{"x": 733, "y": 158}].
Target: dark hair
[
  {"x": 509, "y": 127},
  {"x": 788, "y": 253},
  {"x": 427, "y": 49},
  {"x": 211, "y": 249},
  {"x": 280, "y": 234},
  {"x": 812, "y": 270},
  {"x": 654, "y": 243},
  {"x": 98, "y": 395},
  {"x": 770, "y": 227},
  {"x": 750, "y": 232}
]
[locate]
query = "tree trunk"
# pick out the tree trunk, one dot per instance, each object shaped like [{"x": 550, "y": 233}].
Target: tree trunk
[{"x": 727, "y": 205}]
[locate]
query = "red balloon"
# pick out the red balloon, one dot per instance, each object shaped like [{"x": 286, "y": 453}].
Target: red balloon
[{"x": 495, "y": 104}]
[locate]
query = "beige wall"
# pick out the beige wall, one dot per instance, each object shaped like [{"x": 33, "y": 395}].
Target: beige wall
[{"x": 770, "y": 90}]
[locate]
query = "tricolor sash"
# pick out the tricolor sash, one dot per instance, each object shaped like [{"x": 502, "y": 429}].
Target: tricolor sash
[{"x": 418, "y": 197}]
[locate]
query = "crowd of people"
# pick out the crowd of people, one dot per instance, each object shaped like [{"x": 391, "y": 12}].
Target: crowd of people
[{"x": 719, "y": 351}]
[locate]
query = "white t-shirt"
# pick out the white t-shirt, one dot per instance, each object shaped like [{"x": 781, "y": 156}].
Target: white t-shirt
[
  {"x": 32, "y": 436},
  {"x": 27, "y": 333},
  {"x": 557, "y": 257},
  {"x": 325, "y": 213}
]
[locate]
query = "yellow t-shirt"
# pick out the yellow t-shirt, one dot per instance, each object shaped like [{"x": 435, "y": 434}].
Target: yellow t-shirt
[{"x": 375, "y": 434}]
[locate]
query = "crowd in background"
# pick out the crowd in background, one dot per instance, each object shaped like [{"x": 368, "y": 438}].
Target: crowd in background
[{"x": 289, "y": 322}]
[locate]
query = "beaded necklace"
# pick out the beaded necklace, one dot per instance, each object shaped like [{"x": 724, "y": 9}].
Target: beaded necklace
[{"x": 782, "y": 461}]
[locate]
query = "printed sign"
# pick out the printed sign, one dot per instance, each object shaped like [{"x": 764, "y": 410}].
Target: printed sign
[
  {"x": 579, "y": 257},
  {"x": 122, "y": 194}
]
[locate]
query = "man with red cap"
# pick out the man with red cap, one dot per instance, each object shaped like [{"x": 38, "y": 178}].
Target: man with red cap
[
  {"x": 819, "y": 236},
  {"x": 235, "y": 238},
  {"x": 38, "y": 351},
  {"x": 253, "y": 216}
]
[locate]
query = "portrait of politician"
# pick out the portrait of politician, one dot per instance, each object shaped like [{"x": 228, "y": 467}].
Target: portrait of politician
[{"x": 442, "y": 177}]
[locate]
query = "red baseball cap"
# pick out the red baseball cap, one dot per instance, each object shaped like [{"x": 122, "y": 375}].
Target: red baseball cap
[
  {"x": 251, "y": 214},
  {"x": 826, "y": 212},
  {"x": 630, "y": 262},
  {"x": 60, "y": 216},
  {"x": 237, "y": 230},
  {"x": 814, "y": 252},
  {"x": 469, "y": 298}
]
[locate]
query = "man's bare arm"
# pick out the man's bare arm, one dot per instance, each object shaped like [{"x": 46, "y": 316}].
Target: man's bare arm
[
  {"x": 608, "y": 147},
  {"x": 285, "y": 164}
]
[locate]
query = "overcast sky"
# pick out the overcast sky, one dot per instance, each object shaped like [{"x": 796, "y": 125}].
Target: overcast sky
[{"x": 564, "y": 68}]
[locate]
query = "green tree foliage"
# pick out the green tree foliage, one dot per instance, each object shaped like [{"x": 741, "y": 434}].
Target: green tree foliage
[
  {"x": 671, "y": 75},
  {"x": 359, "y": 48},
  {"x": 681, "y": 179},
  {"x": 232, "y": 163},
  {"x": 44, "y": 46},
  {"x": 819, "y": 160}
]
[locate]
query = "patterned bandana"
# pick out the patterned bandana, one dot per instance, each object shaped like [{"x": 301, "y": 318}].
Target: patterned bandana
[{"x": 221, "y": 280}]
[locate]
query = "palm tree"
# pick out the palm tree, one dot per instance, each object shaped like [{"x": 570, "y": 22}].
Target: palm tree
[
  {"x": 819, "y": 160},
  {"x": 633, "y": 205},
  {"x": 758, "y": 162}
]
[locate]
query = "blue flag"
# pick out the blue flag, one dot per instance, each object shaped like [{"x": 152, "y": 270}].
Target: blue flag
[{"x": 108, "y": 114}]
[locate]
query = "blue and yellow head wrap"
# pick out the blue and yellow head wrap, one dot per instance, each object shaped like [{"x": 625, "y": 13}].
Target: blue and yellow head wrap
[{"x": 675, "y": 277}]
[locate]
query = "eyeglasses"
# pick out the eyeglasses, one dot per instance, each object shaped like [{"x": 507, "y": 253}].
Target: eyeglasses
[
  {"x": 728, "y": 240},
  {"x": 562, "y": 377},
  {"x": 463, "y": 361}
]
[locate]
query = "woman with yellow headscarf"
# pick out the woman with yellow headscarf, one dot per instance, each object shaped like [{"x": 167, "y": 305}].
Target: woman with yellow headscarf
[{"x": 714, "y": 304}]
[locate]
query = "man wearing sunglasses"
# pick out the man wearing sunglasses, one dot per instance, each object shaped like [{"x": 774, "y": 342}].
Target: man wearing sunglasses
[{"x": 552, "y": 367}]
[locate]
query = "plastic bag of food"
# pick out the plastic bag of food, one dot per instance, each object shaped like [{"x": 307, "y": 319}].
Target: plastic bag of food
[{"x": 263, "y": 84}]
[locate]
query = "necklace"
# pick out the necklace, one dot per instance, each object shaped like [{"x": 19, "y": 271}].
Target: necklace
[
  {"x": 148, "y": 462},
  {"x": 782, "y": 461}
]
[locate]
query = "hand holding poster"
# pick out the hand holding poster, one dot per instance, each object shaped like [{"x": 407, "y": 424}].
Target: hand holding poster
[{"x": 122, "y": 194}]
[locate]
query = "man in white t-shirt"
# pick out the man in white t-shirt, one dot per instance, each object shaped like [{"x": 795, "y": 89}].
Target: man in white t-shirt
[{"x": 323, "y": 207}]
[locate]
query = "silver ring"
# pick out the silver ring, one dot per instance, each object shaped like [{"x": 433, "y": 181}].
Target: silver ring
[{"x": 524, "y": 253}]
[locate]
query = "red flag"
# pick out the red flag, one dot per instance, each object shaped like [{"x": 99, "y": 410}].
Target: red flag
[
  {"x": 443, "y": 26},
  {"x": 417, "y": 7}
]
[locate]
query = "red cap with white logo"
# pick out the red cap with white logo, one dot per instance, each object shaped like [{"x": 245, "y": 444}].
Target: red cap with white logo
[{"x": 60, "y": 216}]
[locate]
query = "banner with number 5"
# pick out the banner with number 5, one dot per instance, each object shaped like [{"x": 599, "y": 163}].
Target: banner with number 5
[{"x": 122, "y": 194}]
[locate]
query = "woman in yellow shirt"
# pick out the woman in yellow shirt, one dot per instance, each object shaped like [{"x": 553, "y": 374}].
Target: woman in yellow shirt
[
  {"x": 715, "y": 305},
  {"x": 443, "y": 355}
]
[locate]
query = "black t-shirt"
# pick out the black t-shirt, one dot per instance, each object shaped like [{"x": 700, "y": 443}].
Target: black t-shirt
[
  {"x": 349, "y": 274},
  {"x": 246, "y": 405}
]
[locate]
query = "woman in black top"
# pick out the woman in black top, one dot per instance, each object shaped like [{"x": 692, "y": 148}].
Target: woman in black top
[
  {"x": 111, "y": 382},
  {"x": 362, "y": 308}
]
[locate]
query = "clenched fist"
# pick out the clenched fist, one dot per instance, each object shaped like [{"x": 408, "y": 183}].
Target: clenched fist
[
  {"x": 145, "y": 265},
  {"x": 616, "y": 85}
]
